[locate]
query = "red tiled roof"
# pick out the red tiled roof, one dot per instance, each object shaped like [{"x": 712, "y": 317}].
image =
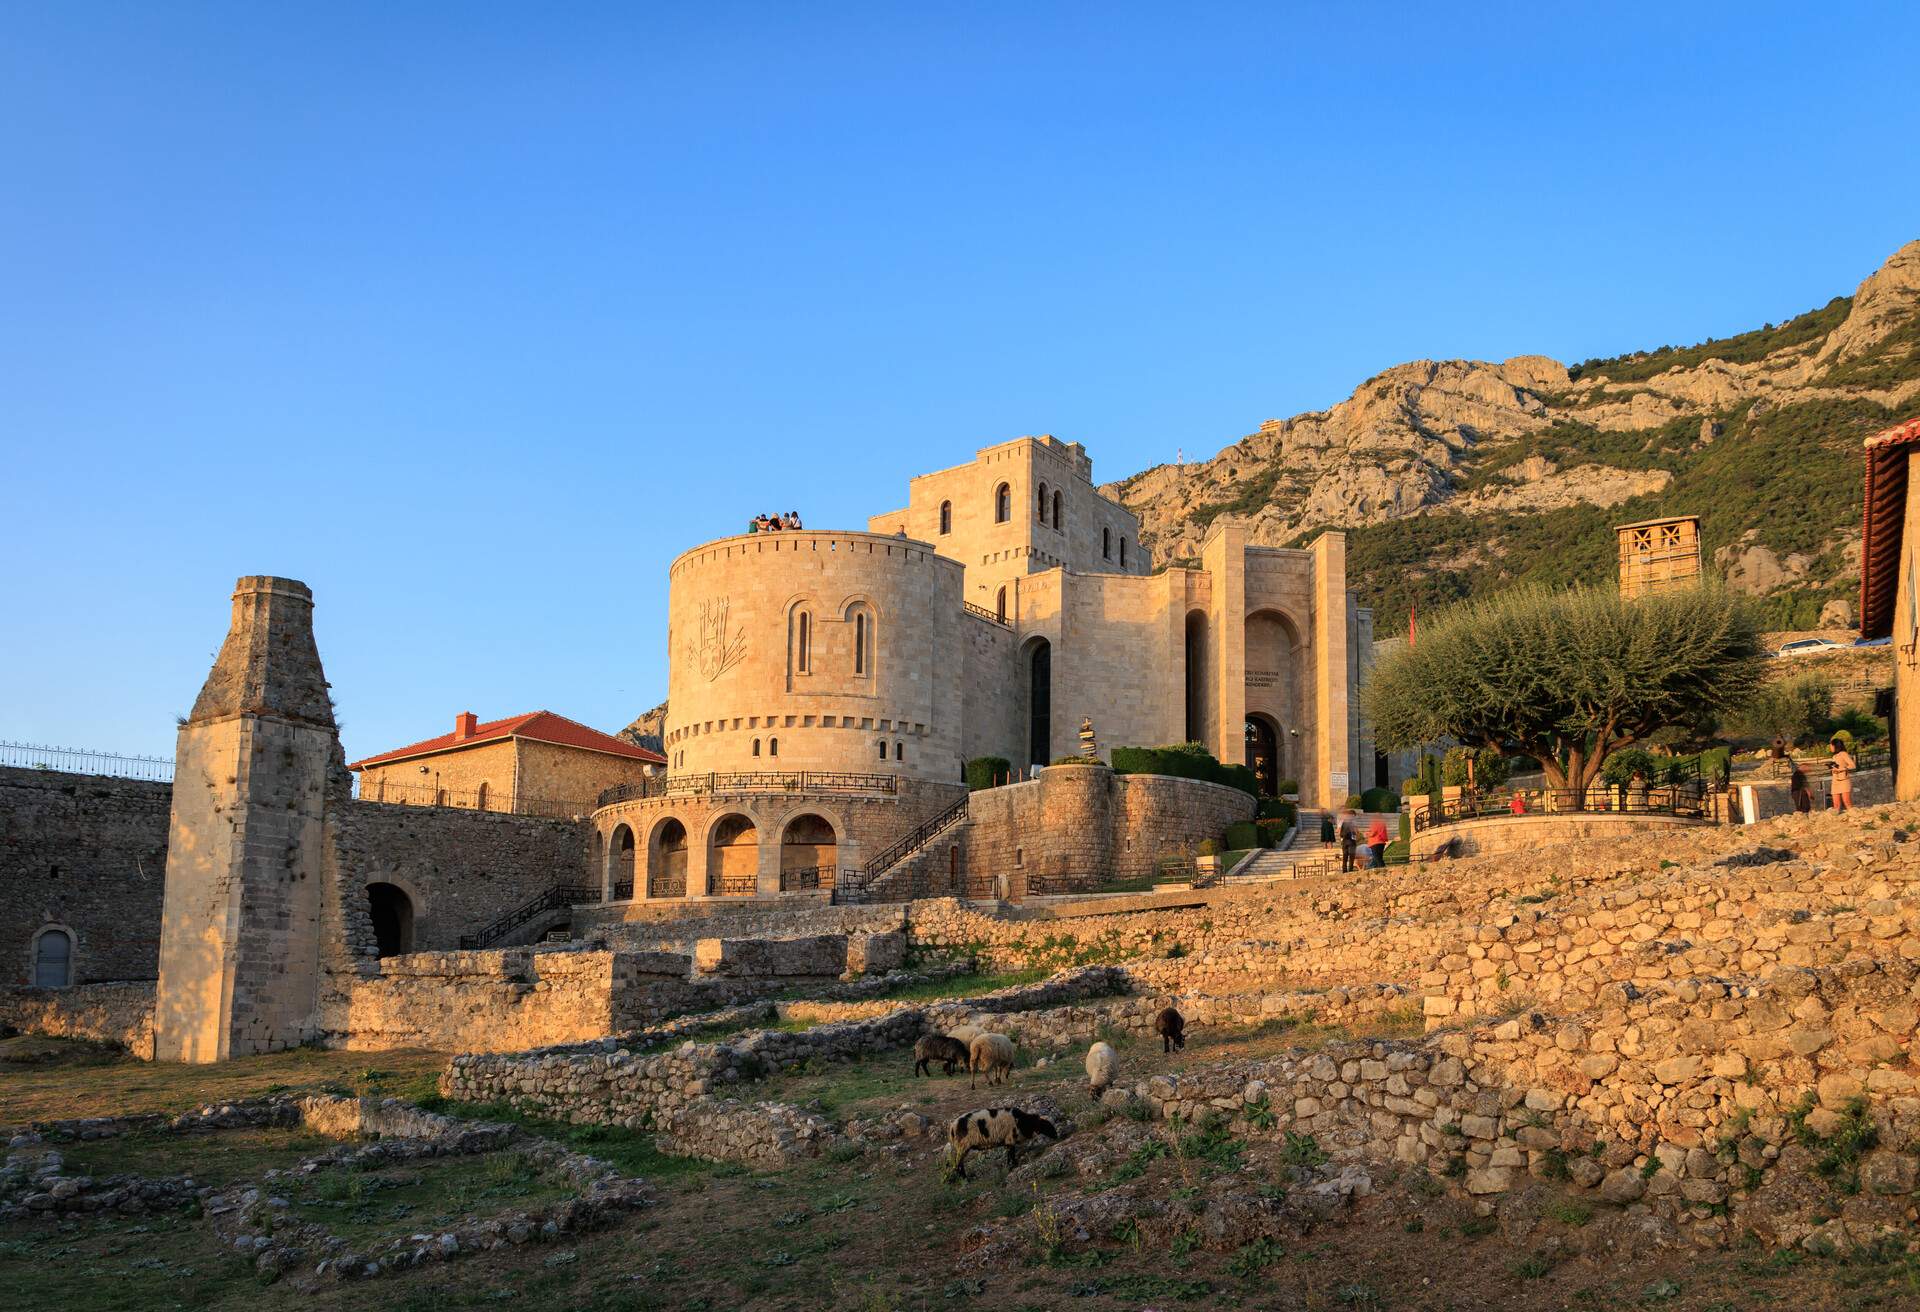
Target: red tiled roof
[
  {"x": 1882, "y": 522},
  {"x": 540, "y": 726}
]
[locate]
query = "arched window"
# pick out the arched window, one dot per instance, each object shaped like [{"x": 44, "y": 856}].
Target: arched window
[
  {"x": 1059, "y": 524},
  {"x": 860, "y": 643},
  {"x": 1043, "y": 503},
  {"x": 53, "y": 959},
  {"x": 481, "y": 796},
  {"x": 899, "y": 750},
  {"x": 946, "y": 516},
  {"x": 1002, "y": 504},
  {"x": 803, "y": 657},
  {"x": 883, "y": 749},
  {"x": 1106, "y": 544},
  {"x": 1123, "y": 553},
  {"x": 756, "y": 747},
  {"x": 1000, "y": 606},
  {"x": 773, "y": 747}
]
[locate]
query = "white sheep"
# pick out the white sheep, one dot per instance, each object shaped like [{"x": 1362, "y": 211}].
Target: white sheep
[
  {"x": 990, "y": 1053},
  {"x": 1101, "y": 1061},
  {"x": 965, "y": 1033},
  {"x": 995, "y": 1127}
]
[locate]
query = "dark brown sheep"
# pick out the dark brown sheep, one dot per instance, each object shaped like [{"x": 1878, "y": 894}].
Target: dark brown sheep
[
  {"x": 938, "y": 1047},
  {"x": 1171, "y": 1026}
]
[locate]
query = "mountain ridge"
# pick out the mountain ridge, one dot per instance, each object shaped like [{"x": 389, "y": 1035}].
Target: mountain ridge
[{"x": 1454, "y": 477}]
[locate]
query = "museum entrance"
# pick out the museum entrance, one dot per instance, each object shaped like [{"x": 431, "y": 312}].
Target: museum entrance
[
  {"x": 1040, "y": 703},
  {"x": 1263, "y": 754}
]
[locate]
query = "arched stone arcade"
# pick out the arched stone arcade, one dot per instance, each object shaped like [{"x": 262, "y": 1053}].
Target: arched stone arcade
[
  {"x": 808, "y": 853},
  {"x": 733, "y": 856},
  {"x": 667, "y": 859}
]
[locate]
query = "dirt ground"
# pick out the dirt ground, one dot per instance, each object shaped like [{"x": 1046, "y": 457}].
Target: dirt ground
[{"x": 881, "y": 1229}]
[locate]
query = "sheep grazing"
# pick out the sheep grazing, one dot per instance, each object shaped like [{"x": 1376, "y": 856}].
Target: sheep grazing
[
  {"x": 938, "y": 1047},
  {"x": 1171, "y": 1026},
  {"x": 992, "y": 1054},
  {"x": 1101, "y": 1060},
  {"x": 965, "y": 1033},
  {"x": 995, "y": 1127}
]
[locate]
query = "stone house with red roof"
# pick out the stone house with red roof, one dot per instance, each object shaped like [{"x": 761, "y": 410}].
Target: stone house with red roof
[{"x": 533, "y": 764}]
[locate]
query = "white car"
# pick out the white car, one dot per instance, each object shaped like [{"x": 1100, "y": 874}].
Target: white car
[{"x": 1810, "y": 647}]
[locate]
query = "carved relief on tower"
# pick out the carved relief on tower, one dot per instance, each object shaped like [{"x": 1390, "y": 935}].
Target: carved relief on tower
[{"x": 718, "y": 646}]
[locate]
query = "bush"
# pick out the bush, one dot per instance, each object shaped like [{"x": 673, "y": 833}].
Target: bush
[
  {"x": 1243, "y": 834},
  {"x": 1490, "y": 768},
  {"x": 1074, "y": 760},
  {"x": 1864, "y": 728},
  {"x": 1184, "y": 761},
  {"x": 1208, "y": 847},
  {"x": 988, "y": 772},
  {"x": 1286, "y": 786},
  {"x": 1286, "y": 814},
  {"x": 1622, "y": 765},
  {"x": 1273, "y": 808},
  {"x": 1716, "y": 764},
  {"x": 1379, "y": 799},
  {"x": 1355, "y": 802},
  {"x": 1273, "y": 832},
  {"x": 1791, "y": 709}
]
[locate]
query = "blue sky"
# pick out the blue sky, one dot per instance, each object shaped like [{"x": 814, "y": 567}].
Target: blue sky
[{"x": 474, "y": 316}]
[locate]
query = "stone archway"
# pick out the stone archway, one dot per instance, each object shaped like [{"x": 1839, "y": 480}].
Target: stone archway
[
  {"x": 808, "y": 852},
  {"x": 391, "y": 911},
  {"x": 1196, "y": 690},
  {"x": 733, "y": 857},
  {"x": 667, "y": 859},
  {"x": 1040, "y": 702},
  {"x": 620, "y": 863},
  {"x": 1263, "y": 754}
]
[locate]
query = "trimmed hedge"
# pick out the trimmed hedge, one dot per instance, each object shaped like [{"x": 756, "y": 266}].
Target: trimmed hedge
[
  {"x": 1184, "y": 761},
  {"x": 1242, "y": 834},
  {"x": 1272, "y": 832},
  {"x": 988, "y": 772},
  {"x": 1379, "y": 799}
]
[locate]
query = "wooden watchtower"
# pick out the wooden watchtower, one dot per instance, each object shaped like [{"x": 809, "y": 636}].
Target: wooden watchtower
[{"x": 1657, "y": 554}]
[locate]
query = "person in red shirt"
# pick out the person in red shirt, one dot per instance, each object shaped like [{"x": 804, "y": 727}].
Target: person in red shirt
[
  {"x": 1377, "y": 843},
  {"x": 1519, "y": 804}
]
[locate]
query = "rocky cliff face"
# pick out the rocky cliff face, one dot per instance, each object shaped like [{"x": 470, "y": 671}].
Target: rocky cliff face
[{"x": 1453, "y": 476}]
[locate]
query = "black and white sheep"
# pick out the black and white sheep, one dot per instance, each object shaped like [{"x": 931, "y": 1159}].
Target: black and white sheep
[
  {"x": 1101, "y": 1062},
  {"x": 995, "y": 1127},
  {"x": 1171, "y": 1026},
  {"x": 949, "y": 1052},
  {"x": 992, "y": 1054}
]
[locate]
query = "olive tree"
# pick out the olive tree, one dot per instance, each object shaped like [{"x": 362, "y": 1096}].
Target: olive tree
[{"x": 1567, "y": 676}]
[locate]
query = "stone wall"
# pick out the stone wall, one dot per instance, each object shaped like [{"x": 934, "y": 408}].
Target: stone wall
[
  {"x": 120, "y": 1013},
  {"x": 87, "y": 854},
  {"x": 460, "y": 869},
  {"x": 1489, "y": 835},
  {"x": 676, "y": 926}
]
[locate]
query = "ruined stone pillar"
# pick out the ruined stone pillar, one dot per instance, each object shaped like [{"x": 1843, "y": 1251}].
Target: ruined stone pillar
[{"x": 240, "y": 930}]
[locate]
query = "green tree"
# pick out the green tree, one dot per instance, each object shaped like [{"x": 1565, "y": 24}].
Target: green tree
[
  {"x": 1568, "y": 676},
  {"x": 1794, "y": 709}
]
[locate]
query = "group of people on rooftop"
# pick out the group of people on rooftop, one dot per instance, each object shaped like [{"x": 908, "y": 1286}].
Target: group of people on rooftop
[{"x": 773, "y": 523}]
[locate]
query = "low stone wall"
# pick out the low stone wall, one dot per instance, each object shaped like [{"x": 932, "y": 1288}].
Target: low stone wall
[
  {"x": 1489, "y": 835},
  {"x": 820, "y": 956},
  {"x": 678, "y": 925},
  {"x": 103, "y": 1013}
]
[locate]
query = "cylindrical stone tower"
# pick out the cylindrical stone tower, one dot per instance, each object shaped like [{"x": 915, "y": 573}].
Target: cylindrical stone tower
[{"x": 815, "y": 651}]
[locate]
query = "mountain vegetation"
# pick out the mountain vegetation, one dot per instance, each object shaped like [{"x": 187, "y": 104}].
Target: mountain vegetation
[{"x": 1453, "y": 479}]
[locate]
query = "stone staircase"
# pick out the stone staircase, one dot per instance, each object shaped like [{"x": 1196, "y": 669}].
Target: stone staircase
[{"x": 1303, "y": 847}]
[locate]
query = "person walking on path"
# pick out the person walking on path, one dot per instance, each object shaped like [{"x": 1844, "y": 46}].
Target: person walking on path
[
  {"x": 1840, "y": 775},
  {"x": 1377, "y": 844},
  {"x": 1349, "y": 840},
  {"x": 1798, "y": 788}
]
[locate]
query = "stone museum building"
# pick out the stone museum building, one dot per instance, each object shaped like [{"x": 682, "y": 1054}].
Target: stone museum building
[{"x": 826, "y": 687}]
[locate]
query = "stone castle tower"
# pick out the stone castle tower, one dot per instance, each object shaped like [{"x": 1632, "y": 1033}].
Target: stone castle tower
[{"x": 240, "y": 936}]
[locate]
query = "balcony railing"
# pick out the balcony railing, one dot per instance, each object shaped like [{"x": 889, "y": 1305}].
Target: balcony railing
[
  {"x": 990, "y": 617},
  {"x": 803, "y": 781}
]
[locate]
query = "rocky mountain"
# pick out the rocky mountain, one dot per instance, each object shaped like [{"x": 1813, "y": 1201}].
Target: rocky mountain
[{"x": 1456, "y": 476}]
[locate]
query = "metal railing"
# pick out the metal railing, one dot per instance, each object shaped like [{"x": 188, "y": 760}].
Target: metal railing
[
  {"x": 808, "y": 878},
  {"x": 802, "y": 781},
  {"x": 1687, "y": 801},
  {"x": 78, "y": 760},
  {"x": 889, "y": 857},
  {"x": 991, "y": 617},
  {"x": 1867, "y": 756},
  {"x": 623, "y": 891},
  {"x": 391, "y": 793},
  {"x": 560, "y": 895}
]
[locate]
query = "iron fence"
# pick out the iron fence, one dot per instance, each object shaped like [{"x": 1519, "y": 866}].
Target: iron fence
[
  {"x": 759, "y": 781},
  {"x": 78, "y": 760},
  {"x": 1687, "y": 801},
  {"x": 991, "y": 617}
]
